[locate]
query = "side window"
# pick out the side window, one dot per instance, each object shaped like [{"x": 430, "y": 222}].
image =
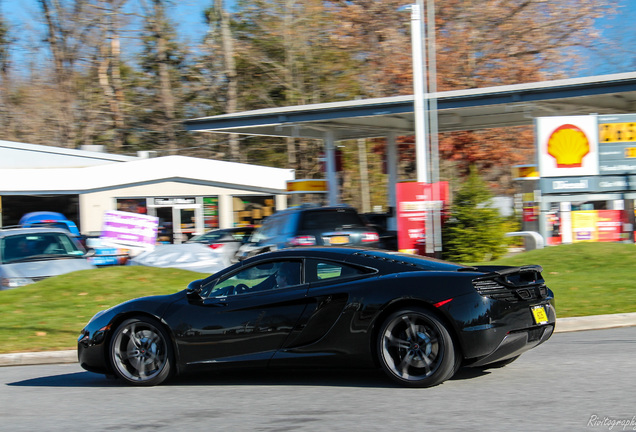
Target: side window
[
  {"x": 317, "y": 270},
  {"x": 286, "y": 227},
  {"x": 259, "y": 277},
  {"x": 267, "y": 230}
]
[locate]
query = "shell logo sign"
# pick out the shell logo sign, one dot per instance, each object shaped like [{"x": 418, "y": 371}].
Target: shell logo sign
[{"x": 567, "y": 146}]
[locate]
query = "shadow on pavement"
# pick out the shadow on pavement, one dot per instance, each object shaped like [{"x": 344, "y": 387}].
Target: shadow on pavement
[
  {"x": 467, "y": 373},
  {"x": 77, "y": 379},
  {"x": 226, "y": 378},
  {"x": 321, "y": 378}
]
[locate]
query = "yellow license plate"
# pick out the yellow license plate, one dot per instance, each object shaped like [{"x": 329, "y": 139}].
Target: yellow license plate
[
  {"x": 539, "y": 314},
  {"x": 338, "y": 240}
]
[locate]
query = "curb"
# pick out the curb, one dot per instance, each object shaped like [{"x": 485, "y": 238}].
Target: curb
[
  {"x": 595, "y": 322},
  {"x": 35, "y": 358},
  {"x": 564, "y": 325}
]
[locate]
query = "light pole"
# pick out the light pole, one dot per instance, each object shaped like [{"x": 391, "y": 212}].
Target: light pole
[
  {"x": 425, "y": 116},
  {"x": 419, "y": 92},
  {"x": 432, "y": 110}
]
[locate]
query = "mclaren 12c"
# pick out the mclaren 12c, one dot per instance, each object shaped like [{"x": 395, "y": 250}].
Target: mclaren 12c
[{"x": 416, "y": 318}]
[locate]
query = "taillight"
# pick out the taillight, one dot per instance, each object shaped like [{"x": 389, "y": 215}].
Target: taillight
[
  {"x": 305, "y": 240},
  {"x": 369, "y": 237},
  {"x": 214, "y": 246}
]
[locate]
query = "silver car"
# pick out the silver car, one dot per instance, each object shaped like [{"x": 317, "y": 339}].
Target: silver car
[{"x": 28, "y": 255}]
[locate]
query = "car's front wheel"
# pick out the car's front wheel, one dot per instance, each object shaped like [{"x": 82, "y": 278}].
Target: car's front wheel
[
  {"x": 415, "y": 349},
  {"x": 140, "y": 352}
]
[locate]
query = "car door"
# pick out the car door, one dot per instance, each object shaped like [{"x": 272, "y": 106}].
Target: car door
[
  {"x": 329, "y": 284},
  {"x": 244, "y": 316}
]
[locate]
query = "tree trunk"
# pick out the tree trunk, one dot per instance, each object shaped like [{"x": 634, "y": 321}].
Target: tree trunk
[
  {"x": 364, "y": 176},
  {"x": 165, "y": 86},
  {"x": 63, "y": 60},
  {"x": 230, "y": 72},
  {"x": 110, "y": 76}
]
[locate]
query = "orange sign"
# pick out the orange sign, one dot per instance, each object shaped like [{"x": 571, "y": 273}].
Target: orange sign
[
  {"x": 307, "y": 186},
  {"x": 525, "y": 172},
  {"x": 568, "y": 145}
]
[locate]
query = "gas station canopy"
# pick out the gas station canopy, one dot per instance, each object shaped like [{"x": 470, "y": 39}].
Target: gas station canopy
[
  {"x": 459, "y": 110},
  {"x": 501, "y": 106}
]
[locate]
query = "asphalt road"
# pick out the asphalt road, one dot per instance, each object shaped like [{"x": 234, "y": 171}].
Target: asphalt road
[{"x": 576, "y": 381}]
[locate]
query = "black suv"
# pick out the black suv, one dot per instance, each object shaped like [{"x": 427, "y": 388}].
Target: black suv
[{"x": 308, "y": 226}]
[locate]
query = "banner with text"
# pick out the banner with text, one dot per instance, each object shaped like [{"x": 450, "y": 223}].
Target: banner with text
[
  {"x": 130, "y": 229},
  {"x": 414, "y": 200}
]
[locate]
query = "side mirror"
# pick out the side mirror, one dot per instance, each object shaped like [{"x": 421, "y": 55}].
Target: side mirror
[{"x": 194, "y": 290}]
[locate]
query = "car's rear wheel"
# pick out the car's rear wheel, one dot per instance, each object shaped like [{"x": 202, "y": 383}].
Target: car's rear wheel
[
  {"x": 415, "y": 349},
  {"x": 140, "y": 352}
]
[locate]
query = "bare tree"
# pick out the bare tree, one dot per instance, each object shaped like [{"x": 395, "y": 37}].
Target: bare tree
[
  {"x": 6, "y": 118},
  {"x": 68, "y": 26},
  {"x": 109, "y": 68}
]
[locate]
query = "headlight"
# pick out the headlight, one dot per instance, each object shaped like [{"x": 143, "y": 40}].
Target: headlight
[{"x": 15, "y": 282}]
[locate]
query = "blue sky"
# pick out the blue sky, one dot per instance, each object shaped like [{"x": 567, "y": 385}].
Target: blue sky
[{"x": 187, "y": 16}]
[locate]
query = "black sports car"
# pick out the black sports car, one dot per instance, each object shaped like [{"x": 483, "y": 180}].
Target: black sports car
[{"x": 418, "y": 319}]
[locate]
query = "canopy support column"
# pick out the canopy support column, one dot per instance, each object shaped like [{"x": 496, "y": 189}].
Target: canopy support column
[
  {"x": 392, "y": 163},
  {"x": 332, "y": 177}
]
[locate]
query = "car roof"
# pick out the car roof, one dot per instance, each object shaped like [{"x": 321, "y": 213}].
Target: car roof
[
  {"x": 39, "y": 215},
  {"x": 234, "y": 229},
  {"x": 6, "y": 232},
  {"x": 347, "y": 253},
  {"x": 313, "y": 207}
]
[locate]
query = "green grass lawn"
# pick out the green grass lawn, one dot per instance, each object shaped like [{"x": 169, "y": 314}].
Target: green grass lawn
[
  {"x": 587, "y": 279},
  {"x": 49, "y": 315}
]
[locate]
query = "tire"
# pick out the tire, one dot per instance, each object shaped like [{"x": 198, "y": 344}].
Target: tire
[
  {"x": 415, "y": 348},
  {"x": 140, "y": 352}
]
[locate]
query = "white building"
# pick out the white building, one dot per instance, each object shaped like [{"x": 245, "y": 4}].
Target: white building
[{"x": 189, "y": 195}]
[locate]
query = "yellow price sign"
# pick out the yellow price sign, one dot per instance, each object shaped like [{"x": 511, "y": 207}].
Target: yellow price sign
[
  {"x": 630, "y": 152},
  {"x": 617, "y": 132}
]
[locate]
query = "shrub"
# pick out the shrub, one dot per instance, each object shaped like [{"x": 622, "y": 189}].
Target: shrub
[{"x": 475, "y": 230}]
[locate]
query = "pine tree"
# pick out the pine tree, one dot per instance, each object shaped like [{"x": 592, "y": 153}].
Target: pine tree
[
  {"x": 475, "y": 230},
  {"x": 163, "y": 63}
]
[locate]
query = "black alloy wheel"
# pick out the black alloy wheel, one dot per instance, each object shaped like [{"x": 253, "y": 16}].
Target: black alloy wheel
[
  {"x": 140, "y": 352},
  {"x": 415, "y": 349}
]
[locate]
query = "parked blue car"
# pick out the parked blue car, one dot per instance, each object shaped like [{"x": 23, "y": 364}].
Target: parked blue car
[{"x": 52, "y": 219}]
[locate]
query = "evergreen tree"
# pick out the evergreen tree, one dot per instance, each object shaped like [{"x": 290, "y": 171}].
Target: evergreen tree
[
  {"x": 475, "y": 230},
  {"x": 164, "y": 68}
]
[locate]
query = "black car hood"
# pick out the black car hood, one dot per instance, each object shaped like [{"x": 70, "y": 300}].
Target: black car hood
[{"x": 155, "y": 305}]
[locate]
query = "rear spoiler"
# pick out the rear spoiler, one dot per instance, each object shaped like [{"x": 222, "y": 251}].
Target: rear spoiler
[{"x": 502, "y": 271}]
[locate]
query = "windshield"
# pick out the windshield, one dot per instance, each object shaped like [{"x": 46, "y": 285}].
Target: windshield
[
  {"x": 209, "y": 236},
  {"x": 33, "y": 246},
  {"x": 330, "y": 219}
]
